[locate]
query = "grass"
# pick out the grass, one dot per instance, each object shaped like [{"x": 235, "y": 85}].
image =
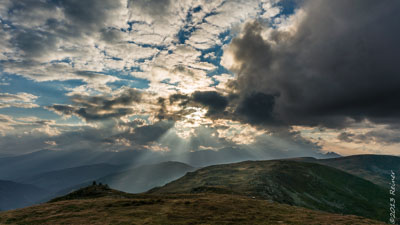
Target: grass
[
  {"x": 173, "y": 209},
  {"x": 303, "y": 184}
]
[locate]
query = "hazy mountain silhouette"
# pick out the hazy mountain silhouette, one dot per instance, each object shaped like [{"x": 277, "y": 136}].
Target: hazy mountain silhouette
[
  {"x": 49, "y": 160},
  {"x": 135, "y": 180},
  {"x": 15, "y": 195},
  {"x": 60, "y": 179},
  {"x": 143, "y": 178},
  {"x": 36, "y": 163}
]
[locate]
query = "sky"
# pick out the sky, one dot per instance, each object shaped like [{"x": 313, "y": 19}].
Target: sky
[{"x": 277, "y": 77}]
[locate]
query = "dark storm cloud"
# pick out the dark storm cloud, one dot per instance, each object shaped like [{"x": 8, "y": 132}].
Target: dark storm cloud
[
  {"x": 341, "y": 63},
  {"x": 100, "y": 107},
  {"x": 257, "y": 108},
  {"x": 214, "y": 101},
  {"x": 182, "y": 98}
]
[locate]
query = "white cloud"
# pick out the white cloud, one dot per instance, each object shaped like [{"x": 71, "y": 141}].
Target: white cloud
[
  {"x": 45, "y": 35},
  {"x": 27, "y": 126},
  {"x": 19, "y": 100}
]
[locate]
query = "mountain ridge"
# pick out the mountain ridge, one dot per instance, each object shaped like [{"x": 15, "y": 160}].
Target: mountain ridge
[
  {"x": 375, "y": 168},
  {"x": 15, "y": 195},
  {"x": 303, "y": 184}
]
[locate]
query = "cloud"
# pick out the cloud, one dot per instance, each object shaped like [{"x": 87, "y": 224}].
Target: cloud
[
  {"x": 125, "y": 136},
  {"x": 19, "y": 100},
  {"x": 155, "y": 40},
  {"x": 41, "y": 27},
  {"x": 330, "y": 64},
  {"x": 23, "y": 135},
  {"x": 335, "y": 63},
  {"x": 383, "y": 136},
  {"x": 26, "y": 126},
  {"x": 6, "y": 124},
  {"x": 285, "y": 144},
  {"x": 179, "y": 105},
  {"x": 213, "y": 100},
  {"x": 69, "y": 17},
  {"x": 345, "y": 136},
  {"x": 34, "y": 44},
  {"x": 91, "y": 108},
  {"x": 257, "y": 108},
  {"x": 155, "y": 8},
  {"x": 146, "y": 134},
  {"x": 56, "y": 40}
]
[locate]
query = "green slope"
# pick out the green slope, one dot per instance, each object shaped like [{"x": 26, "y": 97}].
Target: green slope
[
  {"x": 376, "y": 168},
  {"x": 296, "y": 183}
]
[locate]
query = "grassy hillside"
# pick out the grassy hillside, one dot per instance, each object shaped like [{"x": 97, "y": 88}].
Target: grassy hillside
[
  {"x": 99, "y": 205},
  {"x": 296, "y": 183}
]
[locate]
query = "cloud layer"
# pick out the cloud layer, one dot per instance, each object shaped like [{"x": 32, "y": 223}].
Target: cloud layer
[{"x": 273, "y": 77}]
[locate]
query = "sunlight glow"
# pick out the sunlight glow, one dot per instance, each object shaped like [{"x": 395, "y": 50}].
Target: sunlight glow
[{"x": 185, "y": 127}]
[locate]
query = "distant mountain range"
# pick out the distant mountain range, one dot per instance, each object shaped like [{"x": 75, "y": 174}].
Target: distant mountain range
[
  {"x": 60, "y": 179},
  {"x": 135, "y": 180},
  {"x": 3, "y": 155},
  {"x": 60, "y": 182},
  {"x": 33, "y": 164},
  {"x": 143, "y": 178},
  {"x": 15, "y": 195}
]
